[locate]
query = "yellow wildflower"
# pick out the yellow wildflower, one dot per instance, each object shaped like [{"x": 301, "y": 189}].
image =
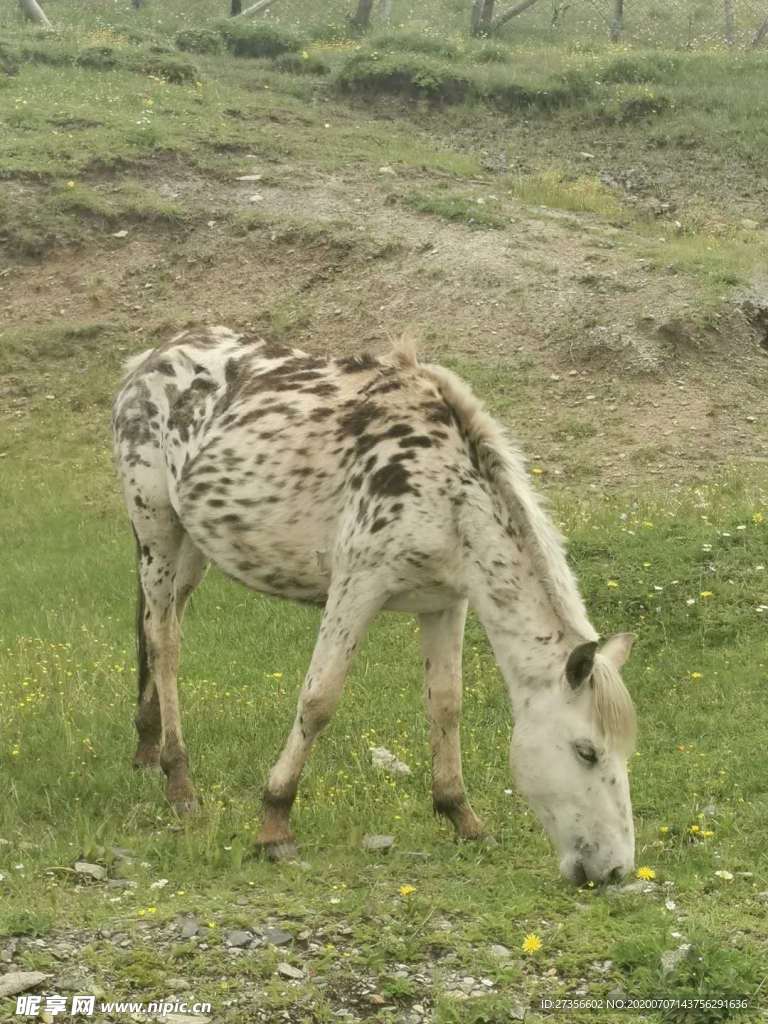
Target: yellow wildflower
[
  {"x": 646, "y": 874},
  {"x": 707, "y": 833},
  {"x": 705, "y": 594},
  {"x": 613, "y": 584},
  {"x": 757, "y": 518},
  {"x": 696, "y": 675},
  {"x": 664, "y": 829},
  {"x": 537, "y": 471},
  {"x": 531, "y": 944},
  {"x": 406, "y": 890},
  {"x": 70, "y": 184}
]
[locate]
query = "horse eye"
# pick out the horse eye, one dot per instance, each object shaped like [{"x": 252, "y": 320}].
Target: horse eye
[{"x": 586, "y": 752}]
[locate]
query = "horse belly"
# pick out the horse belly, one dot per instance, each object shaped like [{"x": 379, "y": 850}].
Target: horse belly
[{"x": 254, "y": 530}]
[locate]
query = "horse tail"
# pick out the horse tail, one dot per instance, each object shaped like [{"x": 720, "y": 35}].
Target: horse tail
[{"x": 142, "y": 656}]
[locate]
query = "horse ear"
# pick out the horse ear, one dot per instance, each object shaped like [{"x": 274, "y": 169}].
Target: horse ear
[
  {"x": 580, "y": 663},
  {"x": 616, "y": 648}
]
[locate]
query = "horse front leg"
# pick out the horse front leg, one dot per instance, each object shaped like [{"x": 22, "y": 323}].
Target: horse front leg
[
  {"x": 442, "y": 638},
  {"x": 345, "y": 620}
]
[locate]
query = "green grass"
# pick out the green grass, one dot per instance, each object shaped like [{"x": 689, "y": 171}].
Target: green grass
[
  {"x": 457, "y": 208},
  {"x": 67, "y": 690},
  {"x": 86, "y": 150}
]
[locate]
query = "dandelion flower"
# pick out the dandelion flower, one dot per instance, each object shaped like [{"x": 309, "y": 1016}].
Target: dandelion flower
[
  {"x": 707, "y": 833},
  {"x": 646, "y": 874},
  {"x": 757, "y": 518},
  {"x": 663, "y": 829},
  {"x": 695, "y": 829},
  {"x": 612, "y": 584},
  {"x": 531, "y": 944},
  {"x": 696, "y": 675},
  {"x": 406, "y": 890},
  {"x": 706, "y": 594},
  {"x": 70, "y": 184},
  {"x": 725, "y": 875},
  {"x": 537, "y": 471}
]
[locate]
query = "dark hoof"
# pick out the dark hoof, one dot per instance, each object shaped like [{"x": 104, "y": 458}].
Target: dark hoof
[
  {"x": 184, "y": 806},
  {"x": 146, "y": 761},
  {"x": 279, "y": 852}
]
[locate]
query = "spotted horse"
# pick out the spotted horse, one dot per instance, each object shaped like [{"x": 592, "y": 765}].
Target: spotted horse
[{"x": 365, "y": 484}]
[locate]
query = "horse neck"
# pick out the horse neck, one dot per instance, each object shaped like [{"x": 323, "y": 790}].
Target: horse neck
[{"x": 529, "y": 637}]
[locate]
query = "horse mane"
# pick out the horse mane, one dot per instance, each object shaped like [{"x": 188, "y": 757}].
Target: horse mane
[{"x": 503, "y": 465}]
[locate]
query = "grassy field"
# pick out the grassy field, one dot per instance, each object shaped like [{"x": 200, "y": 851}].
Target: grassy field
[{"x": 515, "y": 199}]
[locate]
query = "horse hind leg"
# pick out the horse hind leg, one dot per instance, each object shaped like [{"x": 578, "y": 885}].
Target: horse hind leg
[
  {"x": 169, "y": 569},
  {"x": 191, "y": 567}
]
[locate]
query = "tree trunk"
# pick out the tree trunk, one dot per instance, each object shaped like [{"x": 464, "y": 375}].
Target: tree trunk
[
  {"x": 361, "y": 19},
  {"x": 385, "y": 11},
  {"x": 760, "y": 35},
  {"x": 249, "y": 12},
  {"x": 34, "y": 12},
  {"x": 481, "y": 17},
  {"x": 617, "y": 23},
  {"x": 730, "y": 24},
  {"x": 235, "y": 8},
  {"x": 513, "y": 12}
]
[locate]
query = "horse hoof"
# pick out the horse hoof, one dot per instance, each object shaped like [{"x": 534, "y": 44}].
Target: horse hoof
[
  {"x": 281, "y": 852},
  {"x": 186, "y": 806},
  {"x": 146, "y": 761}
]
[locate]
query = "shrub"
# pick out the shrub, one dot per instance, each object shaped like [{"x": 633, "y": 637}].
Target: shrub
[
  {"x": 411, "y": 75},
  {"x": 176, "y": 71},
  {"x": 655, "y": 67},
  {"x": 9, "y": 60},
  {"x": 294, "y": 64},
  {"x": 413, "y": 42},
  {"x": 492, "y": 53},
  {"x": 199, "y": 40},
  {"x": 243, "y": 39},
  {"x": 101, "y": 57},
  {"x": 511, "y": 96}
]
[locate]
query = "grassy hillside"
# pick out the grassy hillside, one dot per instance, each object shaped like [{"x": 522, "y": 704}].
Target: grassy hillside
[{"x": 580, "y": 231}]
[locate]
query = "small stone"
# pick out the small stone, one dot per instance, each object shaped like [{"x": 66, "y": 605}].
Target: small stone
[
  {"x": 20, "y": 981},
  {"x": 516, "y": 1012},
  {"x": 236, "y": 939},
  {"x": 178, "y": 984},
  {"x": 120, "y": 234},
  {"x": 276, "y": 937},
  {"x": 376, "y": 999},
  {"x": 500, "y": 951},
  {"x": 634, "y": 888},
  {"x": 386, "y": 170},
  {"x": 255, "y": 198},
  {"x": 249, "y": 177},
  {"x": 749, "y": 225},
  {"x": 93, "y": 871},
  {"x": 670, "y": 958},
  {"x": 386, "y": 760},
  {"x": 378, "y": 844},
  {"x": 189, "y": 927},
  {"x": 289, "y": 971},
  {"x": 120, "y": 883}
]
